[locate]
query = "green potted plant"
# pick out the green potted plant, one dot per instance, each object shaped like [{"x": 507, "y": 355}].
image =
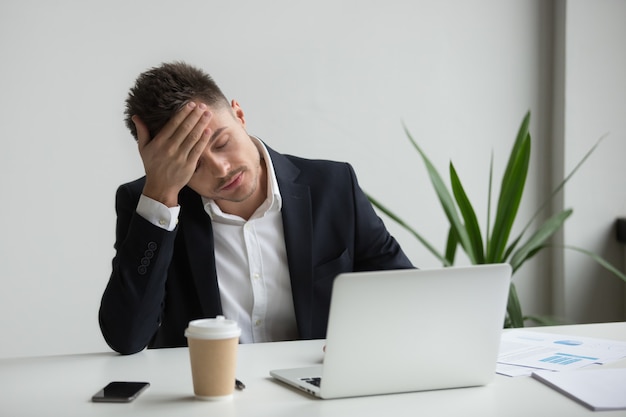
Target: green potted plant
[{"x": 496, "y": 246}]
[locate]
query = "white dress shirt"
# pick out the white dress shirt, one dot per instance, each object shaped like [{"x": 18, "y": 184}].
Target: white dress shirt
[{"x": 251, "y": 262}]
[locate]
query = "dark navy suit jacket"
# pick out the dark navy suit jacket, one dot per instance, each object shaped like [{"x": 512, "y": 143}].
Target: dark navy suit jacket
[{"x": 161, "y": 280}]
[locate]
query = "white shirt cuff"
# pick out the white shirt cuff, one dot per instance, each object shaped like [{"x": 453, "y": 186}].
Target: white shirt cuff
[{"x": 157, "y": 213}]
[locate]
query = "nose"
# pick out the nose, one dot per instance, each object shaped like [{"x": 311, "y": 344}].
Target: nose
[{"x": 217, "y": 165}]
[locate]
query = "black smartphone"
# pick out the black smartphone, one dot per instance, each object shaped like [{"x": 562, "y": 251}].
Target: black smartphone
[{"x": 120, "y": 392}]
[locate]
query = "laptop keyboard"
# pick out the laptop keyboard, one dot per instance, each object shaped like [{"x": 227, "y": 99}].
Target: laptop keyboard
[{"x": 313, "y": 381}]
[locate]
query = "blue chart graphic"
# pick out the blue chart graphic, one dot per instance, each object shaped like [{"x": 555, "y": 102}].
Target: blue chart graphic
[
  {"x": 565, "y": 359},
  {"x": 569, "y": 342}
]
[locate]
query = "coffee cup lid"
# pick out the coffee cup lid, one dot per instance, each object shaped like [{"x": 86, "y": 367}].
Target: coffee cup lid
[{"x": 217, "y": 328}]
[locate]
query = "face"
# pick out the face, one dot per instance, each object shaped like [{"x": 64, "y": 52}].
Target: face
[{"x": 230, "y": 169}]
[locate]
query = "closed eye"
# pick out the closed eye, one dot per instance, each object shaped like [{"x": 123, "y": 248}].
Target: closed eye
[{"x": 222, "y": 144}]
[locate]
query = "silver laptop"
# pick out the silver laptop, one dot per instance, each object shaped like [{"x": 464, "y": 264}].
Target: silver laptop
[{"x": 409, "y": 330}]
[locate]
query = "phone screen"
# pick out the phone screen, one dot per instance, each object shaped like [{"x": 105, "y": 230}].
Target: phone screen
[{"x": 120, "y": 391}]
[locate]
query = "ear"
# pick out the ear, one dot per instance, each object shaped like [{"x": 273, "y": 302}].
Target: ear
[{"x": 238, "y": 112}]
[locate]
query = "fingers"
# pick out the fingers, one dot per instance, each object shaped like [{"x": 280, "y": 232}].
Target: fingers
[
  {"x": 194, "y": 134},
  {"x": 196, "y": 143},
  {"x": 174, "y": 151},
  {"x": 143, "y": 135},
  {"x": 179, "y": 117},
  {"x": 188, "y": 123},
  {"x": 185, "y": 132}
]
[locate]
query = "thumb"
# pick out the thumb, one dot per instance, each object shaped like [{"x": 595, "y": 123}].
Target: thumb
[{"x": 143, "y": 135}]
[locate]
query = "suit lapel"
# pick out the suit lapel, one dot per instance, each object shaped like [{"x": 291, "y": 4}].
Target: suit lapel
[
  {"x": 198, "y": 235},
  {"x": 297, "y": 225}
]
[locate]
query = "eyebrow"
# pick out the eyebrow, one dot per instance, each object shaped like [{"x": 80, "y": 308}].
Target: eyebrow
[{"x": 216, "y": 134}]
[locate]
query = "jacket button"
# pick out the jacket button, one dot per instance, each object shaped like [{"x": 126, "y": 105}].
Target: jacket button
[
  {"x": 152, "y": 246},
  {"x": 145, "y": 261},
  {"x": 142, "y": 270}
]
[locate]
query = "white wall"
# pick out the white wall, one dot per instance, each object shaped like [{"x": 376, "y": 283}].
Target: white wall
[
  {"x": 594, "y": 104},
  {"x": 331, "y": 79}
]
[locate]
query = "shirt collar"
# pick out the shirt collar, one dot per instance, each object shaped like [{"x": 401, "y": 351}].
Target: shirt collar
[{"x": 272, "y": 203}]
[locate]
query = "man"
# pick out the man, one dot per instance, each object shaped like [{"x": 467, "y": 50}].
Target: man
[{"x": 223, "y": 224}]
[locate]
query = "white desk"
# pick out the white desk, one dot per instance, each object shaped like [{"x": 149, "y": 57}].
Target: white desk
[{"x": 63, "y": 385}]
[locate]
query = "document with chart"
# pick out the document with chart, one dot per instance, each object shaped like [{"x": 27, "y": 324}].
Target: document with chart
[{"x": 523, "y": 351}]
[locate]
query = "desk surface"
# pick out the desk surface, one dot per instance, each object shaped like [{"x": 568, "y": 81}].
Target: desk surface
[{"x": 63, "y": 385}]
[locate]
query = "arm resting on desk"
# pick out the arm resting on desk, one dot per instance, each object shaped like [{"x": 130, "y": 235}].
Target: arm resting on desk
[{"x": 132, "y": 302}]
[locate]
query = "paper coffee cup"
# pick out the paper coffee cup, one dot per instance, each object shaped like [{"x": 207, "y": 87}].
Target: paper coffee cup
[{"x": 213, "y": 356}]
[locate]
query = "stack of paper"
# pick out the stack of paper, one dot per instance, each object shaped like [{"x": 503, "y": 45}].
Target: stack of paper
[
  {"x": 556, "y": 360},
  {"x": 597, "y": 389},
  {"x": 522, "y": 352}
]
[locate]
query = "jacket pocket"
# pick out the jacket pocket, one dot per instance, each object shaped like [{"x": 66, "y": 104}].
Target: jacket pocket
[{"x": 332, "y": 268}]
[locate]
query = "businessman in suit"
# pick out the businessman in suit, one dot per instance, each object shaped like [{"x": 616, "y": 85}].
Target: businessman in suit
[{"x": 221, "y": 224}]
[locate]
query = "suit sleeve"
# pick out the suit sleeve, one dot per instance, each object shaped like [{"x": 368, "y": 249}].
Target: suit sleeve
[
  {"x": 375, "y": 247},
  {"x": 132, "y": 302}
]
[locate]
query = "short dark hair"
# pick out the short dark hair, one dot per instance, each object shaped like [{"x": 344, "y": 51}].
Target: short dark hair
[{"x": 161, "y": 91}]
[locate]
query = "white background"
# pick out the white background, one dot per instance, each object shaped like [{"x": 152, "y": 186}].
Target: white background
[{"x": 326, "y": 79}]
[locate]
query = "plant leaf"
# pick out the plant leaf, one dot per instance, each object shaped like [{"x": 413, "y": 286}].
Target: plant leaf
[
  {"x": 402, "y": 223},
  {"x": 445, "y": 198},
  {"x": 488, "y": 231},
  {"x": 604, "y": 263},
  {"x": 541, "y": 235},
  {"x": 514, "y": 309},
  {"x": 511, "y": 248},
  {"x": 562, "y": 183},
  {"x": 511, "y": 191},
  {"x": 546, "y": 320},
  {"x": 469, "y": 216},
  {"x": 451, "y": 244}
]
